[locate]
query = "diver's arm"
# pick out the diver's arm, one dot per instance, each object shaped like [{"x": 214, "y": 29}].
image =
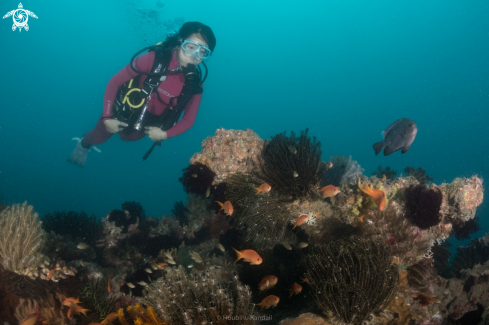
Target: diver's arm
[
  {"x": 188, "y": 117},
  {"x": 142, "y": 63}
]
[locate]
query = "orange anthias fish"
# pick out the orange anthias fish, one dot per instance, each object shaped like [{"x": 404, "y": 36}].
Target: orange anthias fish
[
  {"x": 75, "y": 309},
  {"x": 329, "y": 191},
  {"x": 295, "y": 290},
  {"x": 227, "y": 207},
  {"x": 329, "y": 165},
  {"x": 29, "y": 320},
  {"x": 264, "y": 188},
  {"x": 269, "y": 301},
  {"x": 50, "y": 274},
  {"x": 160, "y": 265},
  {"x": 377, "y": 195},
  {"x": 299, "y": 221},
  {"x": 249, "y": 255},
  {"x": 70, "y": 301},
  {"x": 268, "y": 282}
]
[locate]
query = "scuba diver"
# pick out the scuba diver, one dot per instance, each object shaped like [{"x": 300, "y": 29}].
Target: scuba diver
[{"x": 149, "y": 95}]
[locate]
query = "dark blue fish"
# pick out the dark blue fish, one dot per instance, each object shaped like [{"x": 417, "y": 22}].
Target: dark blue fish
[{"x": 399, "y": 135}]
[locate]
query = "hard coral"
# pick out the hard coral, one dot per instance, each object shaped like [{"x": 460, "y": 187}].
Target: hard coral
[
  {"x": 292, "y": 166},
  {"x": 352, "y": 278},
  {"x": 423, "y": 205},
  {"x": 230, "y": 151}
]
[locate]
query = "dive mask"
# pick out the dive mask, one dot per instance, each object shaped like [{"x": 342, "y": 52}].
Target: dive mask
[{"x": 190, "y": 47}]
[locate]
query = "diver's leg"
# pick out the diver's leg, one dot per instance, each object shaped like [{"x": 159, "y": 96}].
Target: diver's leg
[{"x": 97, "y": 135}]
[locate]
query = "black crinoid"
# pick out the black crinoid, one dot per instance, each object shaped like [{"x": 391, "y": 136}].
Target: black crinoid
[
  {"x": 197, "y": 178},
  {"x": 423, "y": 205},
  {"x": 264, "y": 218},
  {"x": 385, "y": 171},
  {"x": 292, "y": 166},
  {"x": 352, "y": 278},
  {"x": 419, "y": 174},
  {"x": 78, "y": 226}
]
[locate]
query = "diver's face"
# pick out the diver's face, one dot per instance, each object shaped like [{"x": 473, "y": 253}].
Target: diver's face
[{"x": 185, "y": 58}]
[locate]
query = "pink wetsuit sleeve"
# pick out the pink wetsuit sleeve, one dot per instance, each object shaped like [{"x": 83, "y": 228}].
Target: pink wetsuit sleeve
[
  {"x": 142, "y": 63},
  {"x": 188, "y": 117}
]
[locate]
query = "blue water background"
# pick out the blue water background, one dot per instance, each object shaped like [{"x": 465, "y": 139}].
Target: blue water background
[{"x": 343, "y": 69}]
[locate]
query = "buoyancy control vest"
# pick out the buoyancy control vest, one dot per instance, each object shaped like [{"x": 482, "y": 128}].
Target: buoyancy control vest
[{"x": 131, "y": 101}]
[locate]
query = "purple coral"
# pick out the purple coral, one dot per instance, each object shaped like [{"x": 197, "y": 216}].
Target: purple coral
[{"x": 423, "y": 205}]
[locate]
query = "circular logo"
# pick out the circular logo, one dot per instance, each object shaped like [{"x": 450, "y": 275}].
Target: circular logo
[{"x": 20, "y": 18}]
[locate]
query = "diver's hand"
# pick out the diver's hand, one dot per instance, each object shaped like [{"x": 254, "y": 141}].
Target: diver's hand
[
  {"x": 114, "y": 126},
  {"x": 155, "y": 133}
]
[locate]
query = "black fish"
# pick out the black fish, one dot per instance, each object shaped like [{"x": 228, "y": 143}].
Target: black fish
[{"x": 399, "y": 135}]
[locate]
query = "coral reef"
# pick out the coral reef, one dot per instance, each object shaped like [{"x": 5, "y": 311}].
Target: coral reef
[
  {"x": 21, "y": 239},
  {"x": 423, "y": 205},
  {"x": 199, "y": 298},
  {"x": 230, "y": 151},
  {"x": 344, "y": 171},
  {"x": 463, "y": 197},
  {"x": 386, "y": 172},
  {"x": 419, "y": 174},
  {"x": 352, "y": 278},
  {"x": 292, "y": 166}
]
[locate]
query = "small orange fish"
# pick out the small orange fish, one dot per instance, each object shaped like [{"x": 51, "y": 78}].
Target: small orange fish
[
  {"x": 30, "y": 320},
  {"x": 70, "y": 301},
  {"x": 268, "y": 282},
  {"x": 264, "y": 188},
  {"x": 161, "y": 265},
  {"x": 305, "y": 280},
  {"x": 377, "y": 195},
  {"x": 269, "y": 301},
  {"x": 227, "y": 207},
  {"x": 75, "y": 309},
  {"x": 329, "y": 165},
  {"x": 295, "y": 290},
  {"x": 108, "y": 319},
  {"x": 249, "y": 255},
  {"x": 108, "y": 284},
  {"x": 299, "y": 221},
  {"x": 329, "y": 191},
  {"x": 50, "y": 274}
]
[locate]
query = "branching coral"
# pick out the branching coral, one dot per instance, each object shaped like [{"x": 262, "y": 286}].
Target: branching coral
[
  {"x": 199, "y": 298},
  {"x": 423, "y": 205},
  {"x": 344, "y": 171},
  {"x": 387, "y": 172},
  {"x": 292, "y": 166},
  {"x": 78, "y": 226},
  {"x": 352, "y": 278},
  {"x": 419, "y": 174},
  {"x": 21, "y": 239}
]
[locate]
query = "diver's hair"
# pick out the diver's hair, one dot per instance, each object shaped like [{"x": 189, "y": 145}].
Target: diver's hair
[{"x": 187, "y": 29}]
